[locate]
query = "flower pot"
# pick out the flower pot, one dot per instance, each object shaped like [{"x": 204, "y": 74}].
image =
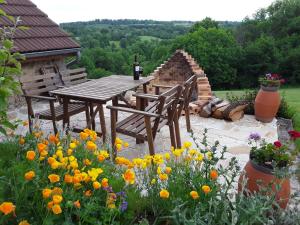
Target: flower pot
[
  {"x": 267, "y": 103},
  {"x": 255, "y": 173}
]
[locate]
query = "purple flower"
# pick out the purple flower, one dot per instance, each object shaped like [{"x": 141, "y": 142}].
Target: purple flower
[
  {"x": 254, "y": 136},
  {"x": 121, "y": 194},
  {"x": 123, "y": 206}
]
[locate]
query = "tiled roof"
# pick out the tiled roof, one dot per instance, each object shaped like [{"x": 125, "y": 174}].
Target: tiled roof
[{"x": 43, "y": 34}]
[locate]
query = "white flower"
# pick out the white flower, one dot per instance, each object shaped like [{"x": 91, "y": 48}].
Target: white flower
[{"x": 144, "y": 193}]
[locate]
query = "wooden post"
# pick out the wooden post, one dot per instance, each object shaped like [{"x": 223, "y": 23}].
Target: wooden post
[
  {"x": 177, "y": 130},
  {"x": 66, "y": 118},
  {"x": 102, "y": 123},
  {"x": 113, "y": 132}
]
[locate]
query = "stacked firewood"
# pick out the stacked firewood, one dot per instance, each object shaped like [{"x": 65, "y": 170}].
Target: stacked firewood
[{"x": 218, "y": 108}]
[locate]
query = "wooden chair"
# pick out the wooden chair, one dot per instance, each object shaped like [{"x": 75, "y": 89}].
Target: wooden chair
[
  {"x": 73, "y": 77},
  {"x": 143, "y": 125},
  {"x": 36, "y": 87},
  {"x": 189, "y": 87}
]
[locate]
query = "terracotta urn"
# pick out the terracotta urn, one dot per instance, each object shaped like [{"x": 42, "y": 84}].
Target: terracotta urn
[
  {"x": 261, "y": 177},
  {"x": 266, "y": 104}
]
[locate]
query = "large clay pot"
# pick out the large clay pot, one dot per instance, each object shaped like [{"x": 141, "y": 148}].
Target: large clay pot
[
  {"x": 267, "y": 103},
  {"x": 265, "y": 176}
]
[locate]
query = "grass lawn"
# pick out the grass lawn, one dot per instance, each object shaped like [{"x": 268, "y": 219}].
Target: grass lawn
[{"x": 291, "y": 94}]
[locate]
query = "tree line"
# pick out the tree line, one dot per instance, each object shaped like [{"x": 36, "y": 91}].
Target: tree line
[{"x": 233, "y": 54}]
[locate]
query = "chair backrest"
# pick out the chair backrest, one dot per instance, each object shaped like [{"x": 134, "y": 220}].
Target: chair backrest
[
  {"x": 74, "y": 76},
  {"x": 165, "y": 105},
  {"x": 40, "y": 84},
  {"x": 189, "y": 87}
]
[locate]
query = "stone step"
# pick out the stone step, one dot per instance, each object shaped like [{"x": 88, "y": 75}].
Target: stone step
[{"x": 207, "y": 97}]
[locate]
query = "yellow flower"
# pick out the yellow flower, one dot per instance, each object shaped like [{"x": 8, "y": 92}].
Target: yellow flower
[
  {"x": 77, "y": 204},
  {"x": 72, "y": 145},
  {"x": 158, "y": 171},
  {"x": 91, "y": 146},
  {"x": 153, "y": 181},
  {"x": 158, "y": 159},
  {"x": 163, "y": 176},
  {"x": 56, "y": 209},
  {"x": 168, "y": 170},
  {"x": 96, "y": 185},
  {"x": 192, "y": 152},
  {"x": 126, "y": 144},
  {"x": 46, "y": 193},
  {"x": 43, "y": 153},
  {"x": 104, "y": 182},
  {"x": 87, "y": 162},
  {"x": 206, "y": 189},
  {"x": 30, "y": 155},
  {"x": 53, "y": 178},
  {"x": 94, "y": 173},
  {"x": 187, "y": 144},
  {"x": 177, "y": 152},
  {"x": 55, "y": 165},
  {"x": 69, "y": 151},
  {"x": 83, "y": 136},
  {"x": 200, "y": 157},
  {"x": 164, "y": 193},
  {"x": 167, "y": 156},
  {"x": 57, "y": 199},
  {"x": 111, "y": 206},
  {"x": 194, "y": 194},
  {"x": 118, "y": 147},
  {"x": 129, "y": 176},
  {"x": 29, "y": 175},
  {"x": 7, "y": 207},
  {"x": 118, "y": 141},
  {"x": 25, "y": 123},
  {"x": 24, "y": 222},
  {"x": 21, "y": 141}
]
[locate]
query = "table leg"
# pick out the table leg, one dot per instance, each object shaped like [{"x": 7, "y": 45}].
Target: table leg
[
  {"x": 102, "y": 122},
  {"x": 113, "y": 132},
  {"x": 92, "y": 116},
  {"x": 115, "y": 103}
]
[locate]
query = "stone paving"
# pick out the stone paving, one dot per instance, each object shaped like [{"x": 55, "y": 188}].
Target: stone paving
[{"x": 234, "y": 135}]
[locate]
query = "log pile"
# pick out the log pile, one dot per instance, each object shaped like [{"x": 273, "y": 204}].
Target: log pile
[{"x": 218, "y": 108}]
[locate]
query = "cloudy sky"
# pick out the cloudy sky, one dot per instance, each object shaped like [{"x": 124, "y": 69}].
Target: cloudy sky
[{"x": 194, "y": 10}]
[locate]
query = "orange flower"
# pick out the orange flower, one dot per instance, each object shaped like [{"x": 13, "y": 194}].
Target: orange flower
[
  {"x": 104, "y": 182},
  {"x": 53, "y": 138},
  {"x": 91, "y": 146},
  {"x": 213, "y": 174},
  {"x": 68, "y": 179},
  {"x": 24, "y": 222},
  {"x": 206, "y": 189},
  {"x": 163, "y": 176},
  {"x": 96, "y": 185},
  {"x": 83, "y": 136},
  {"x": 57, "y": 199},
  {"x": 7, "y": 207},
  {"x": 194, "y": 194},
  {"x": 50, "y": 205},
  {"x": 87, "y": 162},
  {"x": 77, "y": 204},
  {"x": 168, "y": 170},
  {"x": 101, "y": 158},
  {"x": 30, "y": 155},
  {"x": 41, "y": 147},
  {"x": 21, "y": 141},
  {"x": 29, "y": 175},
  {"x": 46, "y": 192},
  {"x": 164, "y": 193},
  {"x": 126, "y": 144},
  {"x": 118, "y": 141},
  {"x": 88, "y": 193},
  {"x": 129, "y": 176},
  {"x": 56, "y": 209},
  {"x": 53, "y": 178}
]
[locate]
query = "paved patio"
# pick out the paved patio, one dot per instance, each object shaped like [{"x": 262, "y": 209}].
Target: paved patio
[{"x": 234, "y": 135}]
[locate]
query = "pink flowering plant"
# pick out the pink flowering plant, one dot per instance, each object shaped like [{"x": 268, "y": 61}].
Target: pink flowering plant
[
  {"x": 271, "y": 80},
  {"x": 273, "y": 155}
]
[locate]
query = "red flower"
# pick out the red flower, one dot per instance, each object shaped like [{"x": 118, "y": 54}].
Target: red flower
[
  {"x": 282, "y": 81},
  {"x": 294, "y": 134},
  {"x": 277, "y": 144}
]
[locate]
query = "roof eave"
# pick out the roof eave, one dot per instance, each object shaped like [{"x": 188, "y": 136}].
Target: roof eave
[{"x": 30, "y": 55}]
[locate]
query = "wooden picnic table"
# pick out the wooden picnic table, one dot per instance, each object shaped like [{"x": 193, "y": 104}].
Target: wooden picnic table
[{"x": 98, "y": 92}]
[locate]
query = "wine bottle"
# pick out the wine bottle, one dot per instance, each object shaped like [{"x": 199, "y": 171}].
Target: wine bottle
[{"x": 136, "y": 69}]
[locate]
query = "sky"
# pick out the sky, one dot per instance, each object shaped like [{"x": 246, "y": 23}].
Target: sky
[{"x": 165, "y": 10}]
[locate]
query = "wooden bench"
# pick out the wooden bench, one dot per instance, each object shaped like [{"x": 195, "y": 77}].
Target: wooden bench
[{"x": 37, "y": 87}]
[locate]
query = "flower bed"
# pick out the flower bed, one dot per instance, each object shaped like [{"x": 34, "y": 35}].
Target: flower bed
[{"x": 62, "y": 180}]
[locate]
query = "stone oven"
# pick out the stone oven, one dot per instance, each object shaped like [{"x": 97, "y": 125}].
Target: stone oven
[{"x": 177, "y": 69}]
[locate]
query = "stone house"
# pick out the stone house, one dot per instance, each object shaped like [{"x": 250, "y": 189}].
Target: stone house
[{"x": 44, "y": 44}]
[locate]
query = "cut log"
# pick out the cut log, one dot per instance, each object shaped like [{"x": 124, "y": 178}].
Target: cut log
[
  {"x": 234, "y": 112},
  {"x": 222, "y": 104},
  {"x": 218, "y": 113}
]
